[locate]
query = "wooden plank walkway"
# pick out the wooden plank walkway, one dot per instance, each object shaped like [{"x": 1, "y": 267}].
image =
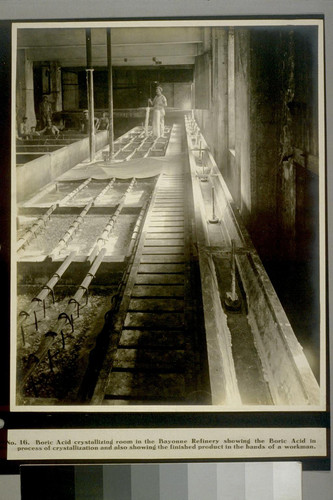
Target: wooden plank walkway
[{"x": 154, "y": 361}]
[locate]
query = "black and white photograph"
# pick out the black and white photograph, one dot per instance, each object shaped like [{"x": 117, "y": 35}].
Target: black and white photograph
[{"x": 169, "y": 219}]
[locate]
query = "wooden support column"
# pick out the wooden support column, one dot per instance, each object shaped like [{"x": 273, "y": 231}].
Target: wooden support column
[
  {"x": 90, "y": 94},
  {"x": 25, "y": 104},
  {"x": 110, "y": 86},
  {"x": 55, "y": 78},
  {"x": 242, "y": 176}
]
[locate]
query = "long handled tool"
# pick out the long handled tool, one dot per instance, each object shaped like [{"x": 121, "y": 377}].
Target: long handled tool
[
  {"x": 232, "y": 301},
  {"x": 147, "y": 119}
]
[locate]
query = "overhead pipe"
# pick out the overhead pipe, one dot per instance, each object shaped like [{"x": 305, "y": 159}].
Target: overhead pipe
[
  {"x": 75, "y": 191},
  {"x": 137, "y": 226},
  {"x": 79, "y": 219},
  {"x": 35, "y": 228},
  {"x": 83, "y": 288},
  {"x": 107, "y": 187},
  {"x": 48, "y": 288},
  {"x": 41, "y": 297},
  {"x": 72, "y": 229},
  {"x": 66, "y": 317},
  {"x": 110, "y": 224}
]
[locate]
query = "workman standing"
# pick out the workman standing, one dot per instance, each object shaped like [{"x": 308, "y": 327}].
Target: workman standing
[
  {"x": 159, "y": 104},
  {"x": 45, "y": 111}
]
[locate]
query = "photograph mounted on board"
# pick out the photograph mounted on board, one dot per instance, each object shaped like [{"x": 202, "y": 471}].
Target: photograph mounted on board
[{"x": 168, "y": 233}]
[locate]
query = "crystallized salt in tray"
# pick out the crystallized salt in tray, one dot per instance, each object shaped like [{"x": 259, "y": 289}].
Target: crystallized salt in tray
[{"x": 49, "y": 236}]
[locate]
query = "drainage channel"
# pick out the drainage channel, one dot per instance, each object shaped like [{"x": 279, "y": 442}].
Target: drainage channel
[
  {"x": 244, "y": 365},
  {"x": 251, "y": 382},
  {"x": 254, "y": 357}
]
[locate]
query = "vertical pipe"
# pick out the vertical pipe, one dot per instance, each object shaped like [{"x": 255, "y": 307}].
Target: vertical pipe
[
  {"x": 88, "y": 48},
  {"x": 111, "y": 129},
  {"x": 232, "y": 302},
  {"x": 213, "y": 203},
  {"x": 214, "y": 219},
  {"x": 90, "y": 93},
  {"x": 233, "y": 271}
]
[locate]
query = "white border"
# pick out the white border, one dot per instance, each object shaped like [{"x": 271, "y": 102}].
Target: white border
[{"x": 322, "y": 215}]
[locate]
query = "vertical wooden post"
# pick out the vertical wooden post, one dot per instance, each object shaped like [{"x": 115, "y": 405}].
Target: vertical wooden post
[
  {"x": 111, "y": 129},
  {"x": 90, "y": 94}
]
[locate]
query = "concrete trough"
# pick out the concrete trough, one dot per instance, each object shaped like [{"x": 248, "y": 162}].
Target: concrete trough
[
  {"x": 27, "y": 157},
  {"x": 46, "y": 148},
  {"x": 74, "y": 226},
  {"x": 40, "y": 170},
  {"x": 33, "y": 275},
  {"x": 62, "y": 140},
  {"x": 48, "y": 243},
  {"x": 284, "y": 364}
]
